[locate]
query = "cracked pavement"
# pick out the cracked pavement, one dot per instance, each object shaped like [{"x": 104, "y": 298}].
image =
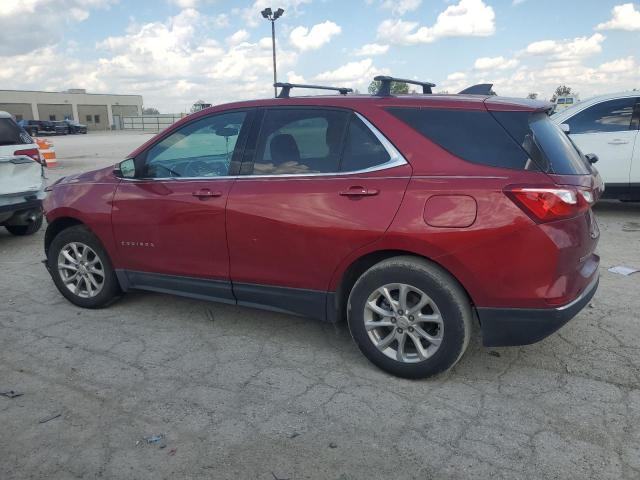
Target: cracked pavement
[{"x": 243, "y": 393}]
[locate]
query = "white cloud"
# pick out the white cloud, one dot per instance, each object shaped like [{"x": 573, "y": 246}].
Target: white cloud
[
  {"x": 455, "y": 76},
  {"x": 238, "y": 37},
  {"x": 171, "y": 63},
  {"x": 26, "y": 25},
  {"x": 293, "y": 77},
  {"x": 400, "y": 7},
  {"x": 623, "y": 17},
  {"x": 311, "y": 39},
  {"x": 371, "y": 49},
  {"x": 493, "y": 63},
  {"x": 185, "y": 3},
  {"x": 576, "y": 48},
  {"x": 353, "y": 74},
  {"x": 620, "y": 65},
  {"x": 468, "y": 18}
]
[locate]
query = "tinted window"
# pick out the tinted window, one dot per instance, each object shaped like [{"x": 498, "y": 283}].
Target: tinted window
[
  {"x": 10, "y": 133},
  {"x": 547, "y": 146},
  {"x": 299, "y": 141},
  {"x": 610, "y": 116},
  {"x": 203, "y": 148},
  {"x": 474, "y": 136},
  {"x": 362, "y": 149}
]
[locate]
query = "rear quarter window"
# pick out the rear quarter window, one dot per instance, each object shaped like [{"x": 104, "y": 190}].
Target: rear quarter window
[
  {"x": 474, "y": 136},
  {"x": 545, "y": 143},
  {"x": 11, "y": 134}
]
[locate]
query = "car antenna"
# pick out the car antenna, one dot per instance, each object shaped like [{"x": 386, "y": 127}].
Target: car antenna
[{"x": 479, "y": 89}]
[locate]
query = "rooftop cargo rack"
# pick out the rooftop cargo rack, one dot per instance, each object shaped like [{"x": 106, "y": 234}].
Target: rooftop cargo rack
[
  {"x": 285, "y": 88},
  {"x": 385, "y": 85},
  {"x": 479, "y": 89}
]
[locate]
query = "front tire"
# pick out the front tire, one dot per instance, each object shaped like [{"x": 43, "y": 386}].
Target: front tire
[
  {"x": 409, "y": 317},
  {"x": 81, "y": 268}
]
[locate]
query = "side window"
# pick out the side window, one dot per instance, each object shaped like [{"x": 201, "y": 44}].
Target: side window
[
  {"x": 203, "y": 148},
  {"x": 362, "y": 148},
  {"x": 610, "y": 116},
  {"x": 473, "y": 135},
  {"x": 299, "y": 141}
]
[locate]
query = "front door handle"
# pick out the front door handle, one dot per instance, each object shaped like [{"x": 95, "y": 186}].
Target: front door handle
[
  {"x": 358, "y": 191},
  {"x": 205, "y": 193},
  {"x": 618, "y": 141}
]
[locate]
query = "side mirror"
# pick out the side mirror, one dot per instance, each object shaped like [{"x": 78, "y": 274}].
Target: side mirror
[
  {"x": 125, "y": 169},
  {"x": 592, "y": 158},
  {"x": 565, "y": 128}
]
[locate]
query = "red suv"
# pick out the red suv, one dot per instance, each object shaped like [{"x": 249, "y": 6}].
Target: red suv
[{"x": 410, "y": 216}]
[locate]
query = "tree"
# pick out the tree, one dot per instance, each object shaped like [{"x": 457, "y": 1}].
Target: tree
[
  {"x": 150, "y": 111},
  {"x": 532, "y": 95},
  {"x": 397, "y": 88},
  {"x": 561, "y": 91}
]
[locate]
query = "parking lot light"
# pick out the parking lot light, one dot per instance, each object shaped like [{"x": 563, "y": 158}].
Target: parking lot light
[{"x": 272, "y": 16}]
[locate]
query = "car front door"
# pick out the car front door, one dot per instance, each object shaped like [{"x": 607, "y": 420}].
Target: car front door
[
  {"x": 169, "y": 221},
  {"x": 316, "y": 184},
  {"x": 609, "y": 129}
]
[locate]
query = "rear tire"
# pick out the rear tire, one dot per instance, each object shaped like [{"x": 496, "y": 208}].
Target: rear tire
[
  {"x": 29, "y": 229},
  {"x": 81, "y": 268},
  {"x": 409, "y": 317}
]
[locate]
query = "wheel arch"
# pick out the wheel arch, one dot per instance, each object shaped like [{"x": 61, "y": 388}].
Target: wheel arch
[
  {"x": 57, "y": 226},
  {"x": 338, "y": 307}
]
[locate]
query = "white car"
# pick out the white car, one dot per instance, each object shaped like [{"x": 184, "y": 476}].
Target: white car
[
  {"x": 607, "y": 126},
  {"x": 564, "y": 102},
  {"x": 21, "y": 179}
]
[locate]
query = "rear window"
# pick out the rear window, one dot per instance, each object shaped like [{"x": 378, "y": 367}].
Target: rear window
[
  {"x": 474, "y": 136},
  {"x": 11, "y": 134},
  {"x": 545, "y": 143}
]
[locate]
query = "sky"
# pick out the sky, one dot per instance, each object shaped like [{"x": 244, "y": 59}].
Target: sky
[{"x": 174, "y": 52}]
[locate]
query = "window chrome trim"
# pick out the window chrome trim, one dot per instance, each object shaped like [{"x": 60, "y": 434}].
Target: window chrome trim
[{"x": 396, "y": 159}]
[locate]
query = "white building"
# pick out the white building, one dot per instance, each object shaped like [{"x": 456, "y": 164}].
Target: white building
[{"x": 98, "y": 111}]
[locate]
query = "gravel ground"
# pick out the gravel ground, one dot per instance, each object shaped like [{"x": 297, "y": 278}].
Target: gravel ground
[{"x": 241, "y": 393}]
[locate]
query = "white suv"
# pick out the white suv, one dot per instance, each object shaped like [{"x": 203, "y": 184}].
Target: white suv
[
  {"x": 21, "y": 179},
  {"x": 608, "y": 127}
]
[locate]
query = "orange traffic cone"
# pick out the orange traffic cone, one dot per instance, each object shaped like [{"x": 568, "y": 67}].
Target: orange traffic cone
[{"x": 47, "y": 152}]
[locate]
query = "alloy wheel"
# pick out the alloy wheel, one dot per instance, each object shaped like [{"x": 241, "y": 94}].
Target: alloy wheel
[
  {"x": 81, "y": 270},
  {"x": 403, "y": 322}
]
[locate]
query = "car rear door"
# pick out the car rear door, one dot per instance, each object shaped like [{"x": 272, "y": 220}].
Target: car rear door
[
  {"x": 315, "y": 185},
  {"x": 169, "y": 221},
  {"x": 610, "y": 130}
]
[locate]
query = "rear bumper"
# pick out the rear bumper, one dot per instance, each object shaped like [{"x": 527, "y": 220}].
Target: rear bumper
[
  {"x": 22, "y": 206},
  {"x": 502, "y": 327}
]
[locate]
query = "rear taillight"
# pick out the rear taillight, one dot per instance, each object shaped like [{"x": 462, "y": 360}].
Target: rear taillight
[
  {"x": 554, "y": 203},
  {"x": 33, "y": 153}
]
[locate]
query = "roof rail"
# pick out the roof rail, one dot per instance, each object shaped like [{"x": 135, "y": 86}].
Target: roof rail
[
  {"x": 479, "y": 89},
  {"x": 385, "y": 85},
  {"x": 286, "y": 88}
]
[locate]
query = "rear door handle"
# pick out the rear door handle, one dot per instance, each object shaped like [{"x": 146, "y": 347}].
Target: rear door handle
[
  {"x": 618, "y": 141},
  {"x": 358, "y": 191},
  {"x": 204, "y": 193}
]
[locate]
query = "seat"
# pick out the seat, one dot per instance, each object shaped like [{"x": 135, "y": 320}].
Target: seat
[{"x": 283, "y": 149}]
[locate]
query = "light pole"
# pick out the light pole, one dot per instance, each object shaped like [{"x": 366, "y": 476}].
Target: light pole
[{"x": 272, "y": 17}]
